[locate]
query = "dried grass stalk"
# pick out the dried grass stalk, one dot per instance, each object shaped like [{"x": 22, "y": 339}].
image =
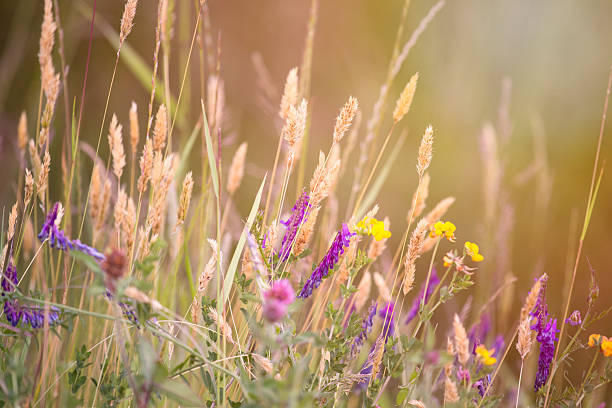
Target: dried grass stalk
[
  {"x": 236, "y": 171},
  {"x": 185, "y": 199},
  {"x": 345, "y": 118},
  {"x": 115, "y": 142},
  {"x": 462, "y": 342},
  {"x": 415, "y": 247},
  {"x": 425, "y": 151},
  {"x": 402, "y": 106},
  {"x": 290, "y": 94}
]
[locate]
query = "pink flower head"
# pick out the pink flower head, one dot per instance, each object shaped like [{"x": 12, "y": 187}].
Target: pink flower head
[
  {"x": 277, "y": 299},
  {"x": 282, "y": 291}
]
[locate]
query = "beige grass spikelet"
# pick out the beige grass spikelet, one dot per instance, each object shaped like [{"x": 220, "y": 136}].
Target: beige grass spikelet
[
  {"x": 115, "y": 142},
  {"x": 104, "y": 203},
  {"x": 236, "y": 171},
  {"x": 530, "y": 300},
  {"x": 412, "y": 254},
  {"x": 146, "y": 166},
  {"x": 204, "y": 279},
  {"x": 215, "y": 89},
  {"x": 295, "y": 125},
  {"x": 134, "y": 128},
  {"x": 417, "y": 403},
  {"x": 363, "y": 291},
  {"x": 345, "y": 119},
  {"x": 305, "y": 233},
  {"x": 272, "y": 236},
  {"x": 129, "y": 226},
  {"x": 403, "y": 103},
  {"x": 290, "y": 93},
  {"x": 95, "y": 192},
  {"x": 29, "y": 187},
  {"x": 127, "y": 20},
  {"x": 525, "y": 339},
  {"x": 379, "y": 350},
  {"x": 462, "y": 342},
  {"x": 12, "y": 221},
  {"x": 22, "y": 133},
  {"x": 120, "y": 211},
  {"x": 185, "y": 199},
  {"x": 425, "y": 151},
  {"x": 346, "y": 262},
  {"x": 450, "y": 391},
  {"x": 43, "y": 177},
  {"x": 419, "y": 198},
  {"x": 160, "y": 131}
]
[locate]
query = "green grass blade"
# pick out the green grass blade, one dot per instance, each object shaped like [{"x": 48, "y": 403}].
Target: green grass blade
[
  {"x": 211, "y": 154},
  {"x": 231, "y": 270},
  {"x": 590, "y": 207}
]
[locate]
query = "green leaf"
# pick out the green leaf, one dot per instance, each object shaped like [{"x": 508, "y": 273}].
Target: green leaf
[
  {"x": 401, "y": 396},
  {"x": 231, "y": 270}
]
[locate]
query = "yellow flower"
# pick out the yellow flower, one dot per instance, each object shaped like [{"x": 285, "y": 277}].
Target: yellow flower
[
  {"x": 606, "y": 347},
  {"x": 378, "y": 230},
  {"x": 472, "y": 250},
  {"x": 594, "y": 339},
  {"x": 485, "y": 355},
  {"x": 371, "y": 226},
  {"x": 444, "y": 228}
]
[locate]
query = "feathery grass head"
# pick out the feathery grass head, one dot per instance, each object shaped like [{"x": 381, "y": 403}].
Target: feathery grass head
[
  {"x": 345, "y": 118},
  {"x": 185, "y": 199},
  {"x": 295, "y": 124},
  {"x": 236, "y": 171},
  {"x": 412, "y": 254},
  {"x": 160, "y": 131},
  {"x": 290, "y": 94},
  {"x": 115, "y": 142},
  {"x": 22, "y": 132},
  {"x": 146, "y": 166},
  {"x": 134, "y": 128},
  {"x": 425, "y": 151},
  {"x": 402, "y": 106},
  {"x": 462, "y": 342},
  {"x": 525, "y": 339},
  {"x": 127, "y": 20}
]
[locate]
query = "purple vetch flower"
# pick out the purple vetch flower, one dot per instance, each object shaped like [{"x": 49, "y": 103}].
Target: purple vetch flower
[
  {"x": 482, "y": 384},
  {"x": 366, "y": 328},
  {"x": 15, "y": 312},
  {"x": 277, "y": 299},
  {"x": 499, "y": 345},
  {"x": 574, "y": 319},
  {"x": 298, "y": 215},
  {"x": 546, "y": 335},
  {"x": 342, "y": 240},
  {"x": 57, "y": 237},
  {"x": 416, "y": 304}
]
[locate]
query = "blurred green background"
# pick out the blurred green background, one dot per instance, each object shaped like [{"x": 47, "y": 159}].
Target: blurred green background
[{"x": 556, "y": 55}]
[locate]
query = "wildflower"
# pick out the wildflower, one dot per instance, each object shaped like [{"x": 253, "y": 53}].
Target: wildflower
[
  {"x": 342, "y": 240},
  {"x": 446, "y": 229},
  {"x": 473, "y": 251},
  {"x": 416, "y": 303},
  {"x": 451, "y": 258},
  {"x": 463, "y": 375},
  {"x": 34, "y": 316},
  {"x": 546, "y": 335},
  {"x": 366, "y": 328},
  {"x": 298, "y": 215},
  {"x": 594, "y": 339},
  {"x": 482, "y": 385},
  {"x": 574, "y": 319},
  {"x": 374, "y": 227},
  {"x": 606, "y": 347},
  {"x": 277, "y": 299},
  {"x": 485, "y": 355},
  {"x": 57, "y": 238}
]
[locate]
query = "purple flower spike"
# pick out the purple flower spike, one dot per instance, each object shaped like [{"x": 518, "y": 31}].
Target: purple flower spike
[
  {"x": 574, "y": 319},
  {"x": 58, "y": 240},
  {"x": 342, "y": 240},
  {"x": 298, "y": 215},
  {"x": 416, "y": 304},
  {"x": 546, "y": 335},
  {"x": 366, "y": 328}
]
